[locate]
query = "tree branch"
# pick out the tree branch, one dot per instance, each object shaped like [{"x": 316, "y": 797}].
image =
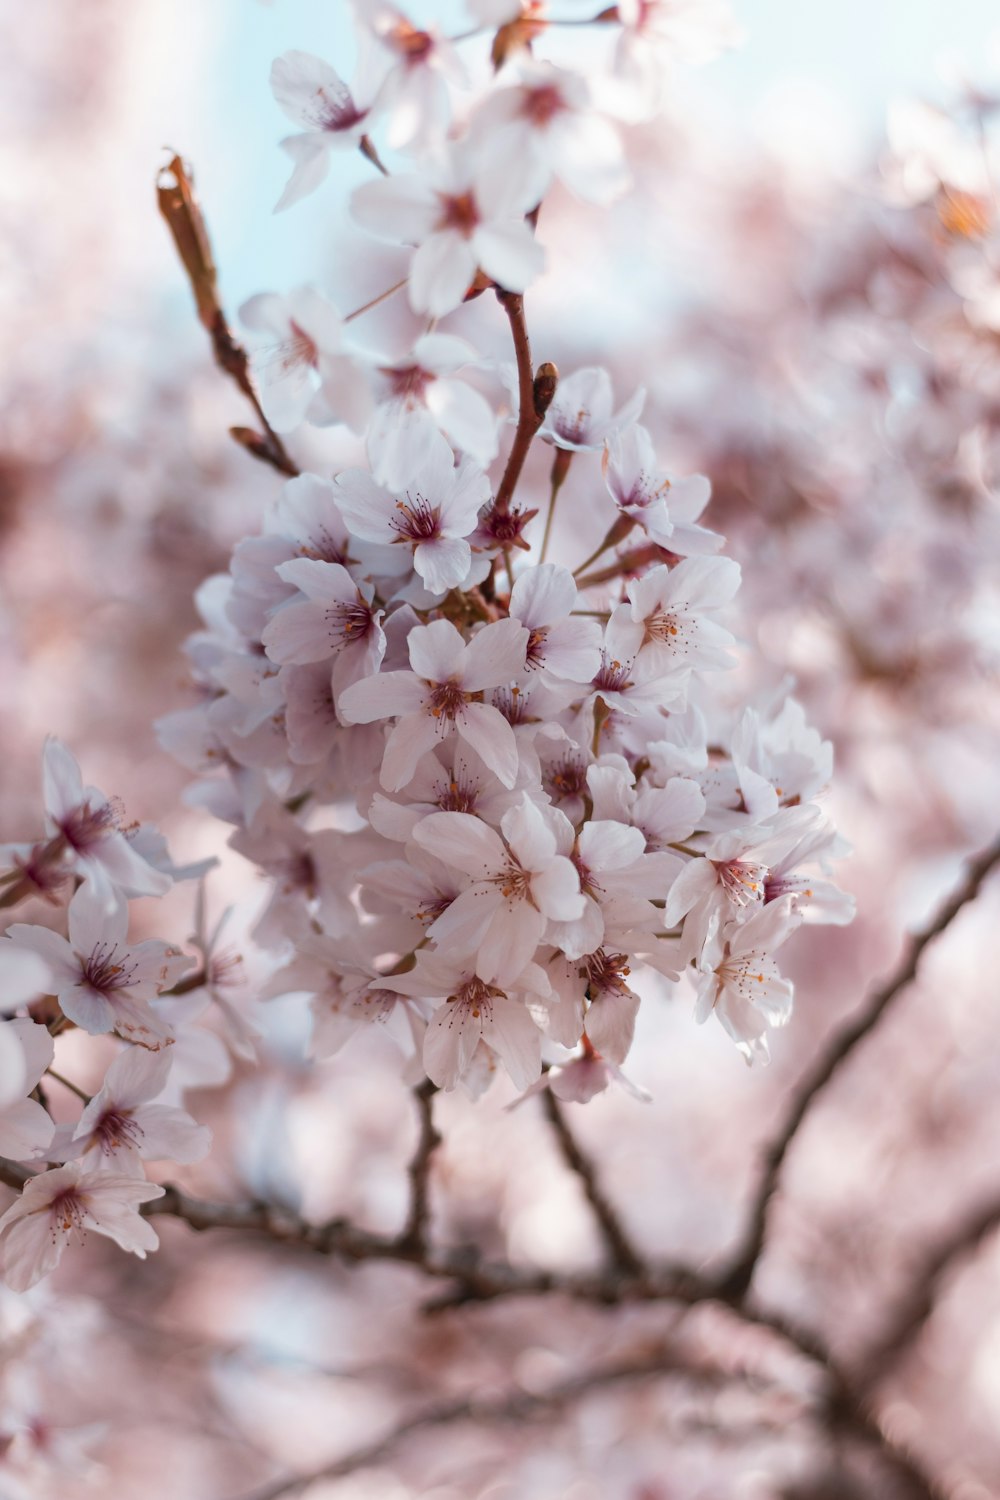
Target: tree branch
[
  {"x": 182, "y": 212},
  {"x": 737, "y": 1280},
  {"x": 534, "y": 394},
  {"x": 918, "y": 1304},
  {"x": 621, "y": 1252},
  {"x": 415, "y": 1230}
]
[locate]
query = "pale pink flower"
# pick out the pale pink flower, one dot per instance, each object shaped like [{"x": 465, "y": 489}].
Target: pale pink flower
[
  {"x": 301, "y": 372},
  {"x": 666, "y": 508},
  {"x": 415, "y": 67},
  {"x": 122, "y": 1126},
  {"x": 543, "y": 599},
  {"x": 668, "y": 620},
  {"x": 463, "y": 215},
  {"x": 432, "y": 515},
  {"x": 582, "y": 416},
  {"x": 743, "y": 986},
  {"x": 656, "y": 34},
  {"x": 100, "y": 982},
  {"x": 87, "y": 825},
  {"x": 314, "y": 96},
  {"x": 56, "y": 1208},
  {"x": 335, "y": 621},
  {"x": 475, "y": 1012},
  {"x": 440, "y": 695},
  {"x": 545, "y": 127},
  {"x": 23, "y": 976},
  {"x": 519, "y": 884},
  {"x": 26, "y": 1050},
  {"x": 418, "y": 396}
]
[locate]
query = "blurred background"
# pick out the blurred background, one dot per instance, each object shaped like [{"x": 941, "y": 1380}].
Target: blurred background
[{"x": 805, "y": 278}]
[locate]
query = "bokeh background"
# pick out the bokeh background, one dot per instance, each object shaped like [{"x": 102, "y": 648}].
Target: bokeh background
[{"x": 816, "y": 336}]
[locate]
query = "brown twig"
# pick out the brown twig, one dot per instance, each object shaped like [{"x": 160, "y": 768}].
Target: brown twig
[
  {"x": 621, "y": 1252},
  {"x": 182, "y": 212},
  {"x": 916, "y": 1307},
  {"x": 737, "y": 1280},
  {"x": 415, "y": 1230},
  {"x": 534, "y": 394}
]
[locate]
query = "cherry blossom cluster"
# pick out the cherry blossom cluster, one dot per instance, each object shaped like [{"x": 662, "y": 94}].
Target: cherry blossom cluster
[
  {"x": 145, "y": 996},
  {"x": 487, "y": 787}
]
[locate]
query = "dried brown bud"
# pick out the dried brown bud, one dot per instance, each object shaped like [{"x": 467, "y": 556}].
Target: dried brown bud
[
  {"x": 180, "y": 208},
  {"x": 546, "y": 380}
]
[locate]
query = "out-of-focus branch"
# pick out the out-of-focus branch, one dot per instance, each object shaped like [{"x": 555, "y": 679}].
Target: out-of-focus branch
[
  {"x": 916, "y": 1307},
  {"x": 622, "y": 1253},
  {"x": 515, "y": 1406},
  {"x": 415, "y": 1230},
  {"x": 534, "y": 395},
  {"x": 737, "y": 1280},
  {"x": 182, "y": 212}
]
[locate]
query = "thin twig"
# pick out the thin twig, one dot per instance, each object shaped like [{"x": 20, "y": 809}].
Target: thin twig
[
  {"x": 529, "y": 419},
  {"x": 842, "y": 1044},
  {"x": 519, "y": 1405},
  {"x": 182, "y": 212},
  {"x": 415, "y": 1231},
  {"x": 916, "y": 1307},
  {"x": 621, "y": 1251}
]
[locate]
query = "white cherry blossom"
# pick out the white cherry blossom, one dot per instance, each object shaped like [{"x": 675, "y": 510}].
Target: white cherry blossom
[
  {"x": 313, "y": 95},
  {"x": 123, "y": 1125}
]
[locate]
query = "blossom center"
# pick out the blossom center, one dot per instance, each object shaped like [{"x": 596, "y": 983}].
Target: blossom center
[
  {"x": 416, "y": 520},
  {"x": 116, "y": 1129},
  {"x": 742, "y": 881},
  {"x": 348, "y": 622},
  {"x": 447, "y": 699},
  {"x": 460, "y": 212},
  {"x": 541, "y": 105},
  {"x": 104, "y": 970},
  {"x": 67, "y": 1210}
]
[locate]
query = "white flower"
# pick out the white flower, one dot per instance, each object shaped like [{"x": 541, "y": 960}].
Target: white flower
[
  {"x": 542, "y": 599},
  {"x": 665, "y": 508},
  {"x": 121, "y": 1126},
  {"x": 100, "y": 982},
  {"x": 433, "y": 515},
  {"x": 301, "y": 372},
  {"x": 544, "y": 127},
  {"x": 415, "y": 67},
  {"x": 744, "y": 987},
  {"x": 336, "y": 620},
  {"x": 464, "y": 215},
  {"x": 26, "y": 1050},
  {"x": 418, "y": 397},
  {"x": 582, "y": 416},
  {"x": 59, "y": 1206},
  {"x": 519, "y": 883},
  {"x": 475, "y": 1012},
  {"x": 86, "y": 824},
  {"x": 667, "y": 620},
  {"x": 439, "y": 695},
  {"x": 313, "y": 95}
]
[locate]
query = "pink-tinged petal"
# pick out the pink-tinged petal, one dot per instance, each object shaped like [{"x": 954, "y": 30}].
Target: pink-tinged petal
[
  {"x": 326, "y": 582},
  {"x": 606, "y": 845},
  {"x": 26, "y": 1131},
  {"x": 137, "y": 1022},
  {"x": 440, "y": 274},
  {"x": 170, "y": 1134},
  {"x": 62, "y": 784},
  {"x": 310, "y": 156},
  {"x": 529, "y": 834},
  {"x": 514, "y": 1037},
  {"x": 412, "y": 737},
  {"x": 490, "y": 735},
  {"x": 542, "y": 595},
  {"x": 572, "y": 650},
  {"x": 298, "y": 634},
  {"x": 135, "y": 1077},
  {"x": 404, "y": 209},
  {"x": 310, "y": 92},
  {"x": 437, "y": 651},
  {"x": 697, "y": 880},
  {"x": 462, "y": 841},
  {"x": 611, "y": 1024},
  {"x": 442, "y": 563},
  {"x": 26, "y": 967},
  {"x": 460, "y": 927},
  {"x": 509, "y": 253},
  {"x": 556, "y": 889},
  {"x": 494, "y": 656},
  {"x": 510, "y": 942},
  {"x": 466, "y": 417},
  {"x": 450, "y": 1043},
  {"x": 366, "y": 507},
  {"x": 381, "y": 697},
  {"x": 31, "y": 1249},
  {"x": 347, "y": 395},
  {"x": 38, "y": 1047},
  {"x": 87, "y": 1009}
]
